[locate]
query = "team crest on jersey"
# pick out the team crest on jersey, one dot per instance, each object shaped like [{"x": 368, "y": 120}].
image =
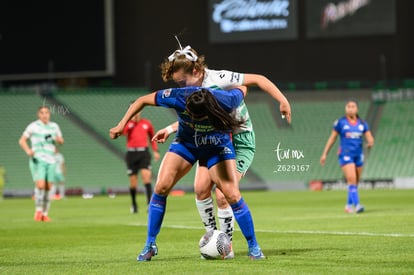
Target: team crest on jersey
[
  {"x": 166, "y": 93},
  {"x": 361, "y": 127}
]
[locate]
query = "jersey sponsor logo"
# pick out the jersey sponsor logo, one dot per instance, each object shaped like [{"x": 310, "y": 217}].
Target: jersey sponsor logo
[
  {"x": 166, "y": 93},
  {"x": 354, "y": 135}
]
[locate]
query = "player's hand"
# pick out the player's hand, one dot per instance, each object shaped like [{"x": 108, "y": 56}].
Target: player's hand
[
  {"x": 115, "y": 132},
  {"x": 161, "y": 136},
  {"x": 59, "y": 140},
  {"x": 285, "y": 111},
  {"x": 30, "y": 153},
  {"x": 323, "y": 160}
]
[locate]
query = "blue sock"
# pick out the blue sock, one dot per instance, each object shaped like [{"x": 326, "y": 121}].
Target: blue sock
[
  {"x": 349, "y": 199},
  {"x": 156, "y": 213},
  {"x": 245, "y": 221},
  {"x": 353, "y": 189}
]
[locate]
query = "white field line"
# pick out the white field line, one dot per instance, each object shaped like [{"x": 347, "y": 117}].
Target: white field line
[{"x": 310, "y": 232}]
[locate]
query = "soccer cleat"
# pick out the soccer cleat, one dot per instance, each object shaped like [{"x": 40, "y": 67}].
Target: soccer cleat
[
  {"x": 57, "y": 197},
  {"x": 46, "y": 218},
  {"x": 38, "y": 216},
  {"x": 359, "y": 209},
  {"x": 231, "y": 254},
  {"x": 348, "y": 209},
  {"x": 134, "y": 209},
  {"x": 255, "y": 253},
  {"x": 148, "y": 252}
]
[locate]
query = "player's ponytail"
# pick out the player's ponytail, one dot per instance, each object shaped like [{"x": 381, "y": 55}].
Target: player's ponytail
[{"x": 203, "y": 103}]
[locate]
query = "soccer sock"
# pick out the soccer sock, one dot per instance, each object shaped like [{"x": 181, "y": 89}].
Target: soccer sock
[
  {"x": 245, "y": 221},
  {"x": 349, "y": 197},
  {"x": 52, "y": 191},
  {"x": 156, "y": 213},
  {"x": 46, "y": 202},
  {"x": 226, "y": 221},
  {"x": 62, "y": 190},
  {"x": 353, "y": 189},
  {"x": 206, "y": 210},
  {"x": 133, "y": 192},
  {"x": 39, "y": 202},
  {"x": 148, "y": 191}
]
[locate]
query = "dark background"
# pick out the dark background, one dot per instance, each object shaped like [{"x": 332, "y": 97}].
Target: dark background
[{"x": 144, "y": 35}]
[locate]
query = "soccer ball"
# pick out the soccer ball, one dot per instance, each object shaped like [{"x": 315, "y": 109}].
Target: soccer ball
[{"x": 214, "y": 244}]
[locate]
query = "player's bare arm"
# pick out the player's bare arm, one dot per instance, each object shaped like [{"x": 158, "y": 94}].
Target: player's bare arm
[
  {"x": 133, "y": 109},
  {"x": 266, "y": 85}
]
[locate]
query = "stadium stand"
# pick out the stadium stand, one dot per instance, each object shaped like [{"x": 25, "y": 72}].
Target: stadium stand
[
  {"x": 284, "y": 154},
  {"x": 393, "y": 152}
]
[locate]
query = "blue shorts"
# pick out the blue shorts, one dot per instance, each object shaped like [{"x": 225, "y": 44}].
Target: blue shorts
[
  {"x": 206, "y": 155},
  {"x": 344, "y": 159}
]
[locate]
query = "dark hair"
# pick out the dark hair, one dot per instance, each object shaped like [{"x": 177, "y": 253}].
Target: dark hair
[
  {"x": 354, "y": 100},
  {"x": 203, "y": 103}
]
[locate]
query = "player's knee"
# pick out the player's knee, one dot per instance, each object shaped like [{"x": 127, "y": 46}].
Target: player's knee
[{"x": 221, "y": 201}]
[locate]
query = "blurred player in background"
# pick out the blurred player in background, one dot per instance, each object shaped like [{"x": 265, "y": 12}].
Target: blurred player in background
[
  {"x": 186, "y": 68},
  {"x": 58, "y": 187},
  {"x": 351, "y": 130},
  {"x": 139, "y": 132},
  {"x": 44, "y": 135}
]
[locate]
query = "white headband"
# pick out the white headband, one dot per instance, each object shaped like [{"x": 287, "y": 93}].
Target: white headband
[{"x": 187, "y": 52}]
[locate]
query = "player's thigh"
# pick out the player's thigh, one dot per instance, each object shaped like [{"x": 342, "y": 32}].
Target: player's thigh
[
  {"x": 173, "y": 167},
  {"x": 38, "y": 170},
  {"x": 350, "y": 173},
  {"x": 245, "y": 146}
]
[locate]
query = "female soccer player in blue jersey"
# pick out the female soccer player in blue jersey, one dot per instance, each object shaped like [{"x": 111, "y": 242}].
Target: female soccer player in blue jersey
[
  {"x": 203, "y": 135},
  {"x": 351, "y": 130}
]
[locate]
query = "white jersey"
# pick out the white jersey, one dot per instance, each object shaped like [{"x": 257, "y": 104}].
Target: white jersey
[
  {"x": 42, "y": 138},
  {"x": 226, "y": 80}
]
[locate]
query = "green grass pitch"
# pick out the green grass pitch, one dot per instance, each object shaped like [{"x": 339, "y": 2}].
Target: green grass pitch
[{"x": 300, "y": 233}]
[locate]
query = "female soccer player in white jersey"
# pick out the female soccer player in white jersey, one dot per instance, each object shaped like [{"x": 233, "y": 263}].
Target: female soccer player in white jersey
[
  {"x": 186, "y": 68},
  {"x": 351, "y": 130},
  {"x": 44, "y": 135}
]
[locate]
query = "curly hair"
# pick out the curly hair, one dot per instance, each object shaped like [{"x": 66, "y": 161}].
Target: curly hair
[{"x": 181, "y": 62}]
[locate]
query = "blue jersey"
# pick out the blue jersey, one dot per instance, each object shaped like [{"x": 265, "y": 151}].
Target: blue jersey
[
  {"x": 197, "y": 139},
  {"x": 351, "y": 140},
  {"x": 351, "y": 135}
]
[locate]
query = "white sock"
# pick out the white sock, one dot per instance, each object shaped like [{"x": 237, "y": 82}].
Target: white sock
[
  {"x": 226, "y": 221},
  {"x": 206, "y": 211},
  {"x": 62, "y": 191},
  {"x": 38, "y": 196},
  {"x": 52, "y": 191},
  {"x": 46, "y": 201}
]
